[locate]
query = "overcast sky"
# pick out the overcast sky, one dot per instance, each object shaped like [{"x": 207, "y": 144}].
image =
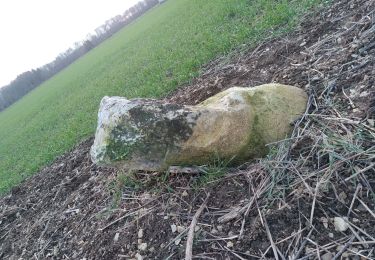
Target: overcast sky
[{"x": 34, "y": 32}]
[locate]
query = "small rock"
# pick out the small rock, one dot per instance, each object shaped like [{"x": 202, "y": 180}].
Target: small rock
[
  {"x": 364, "y": 94},
  {"x": 55, "y": 251},
  {"x": 330, "y": 235},
  {"x": 139, "y": 241},
  {"x": 354, "y": 249},
  {"x": 356, "y": 110},
  {"x": 309, "y": 250},
  {"x": 196, "y": 228},
  {"x": 184, "y": 194},
  {"x": 327, "y": 256},
  {"x": 324, "y": 221},
  {"x": 165, "y": 217},
  {"x": 220, "y": 228},
  {"x": 117, "y": 235},
  {"x": 180, "y": 229},
  {"x": 177, "y": 242},
  {"x": 142, "y": 246},
  {"x": 145, "y": 197},
  {"x": 138, "y": 256},
  {"x": 340, "y": 224},
  {"x": 140, "y": 233},
  {"x": 174, "y": 228},
  {"x": 361, "y": 208},
  {"x": 342, "y": 196},
  {"x": 230, "y": 244},
  {"x": 339, "y": 248}
]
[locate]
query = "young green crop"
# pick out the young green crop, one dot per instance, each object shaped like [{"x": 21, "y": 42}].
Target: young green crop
[{"x": 148, "y": 58}]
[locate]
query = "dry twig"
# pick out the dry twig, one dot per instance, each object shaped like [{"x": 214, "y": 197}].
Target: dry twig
[{"x": 190, "y": 238}]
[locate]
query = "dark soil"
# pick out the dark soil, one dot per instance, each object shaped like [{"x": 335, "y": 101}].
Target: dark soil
[{"x": 287, "y": 203}]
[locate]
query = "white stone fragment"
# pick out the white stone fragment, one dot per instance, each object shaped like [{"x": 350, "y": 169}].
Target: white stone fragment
[
  {"x": 340, "y": 224},
  {"x": 174, "y": 228}
]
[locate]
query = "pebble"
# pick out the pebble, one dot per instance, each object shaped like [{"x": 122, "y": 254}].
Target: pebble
[
  {"x": 342, "y": 196},
  {"x": 220, "y": 228},
  {"x": 309, "y": 250},
  {"x": 117, "y": 235},
  {"x": 184, "y": 194},
  {"x": 174, "y": 228},
  {"x": 324, "y": 221},
  {"x": 142, "y": 246},
  {"x": 327, "y": 256},
  {"x": 340, "y": 224},
  {"x": 180, "y": 229},
  {"x": 230, "y": 244},
  {"x": 55, "y": 251},
  {"x": 140, "y": 233},
  {"x": 361, "y": 208}
]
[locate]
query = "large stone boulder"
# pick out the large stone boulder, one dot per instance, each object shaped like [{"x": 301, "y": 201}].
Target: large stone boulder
[{"x": 236, "y": 124}]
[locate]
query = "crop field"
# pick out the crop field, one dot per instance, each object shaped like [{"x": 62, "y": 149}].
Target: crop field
[{"x": 149, "y": 58}]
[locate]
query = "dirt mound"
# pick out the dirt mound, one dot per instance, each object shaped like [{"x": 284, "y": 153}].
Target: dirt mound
[{"x": 292, "y": 204}]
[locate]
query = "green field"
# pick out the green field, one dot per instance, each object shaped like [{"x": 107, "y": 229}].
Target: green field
[{"x": 149, "y": 58}]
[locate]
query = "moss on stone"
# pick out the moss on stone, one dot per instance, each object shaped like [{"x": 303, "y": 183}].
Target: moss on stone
[{"x": 117, "y": 149}]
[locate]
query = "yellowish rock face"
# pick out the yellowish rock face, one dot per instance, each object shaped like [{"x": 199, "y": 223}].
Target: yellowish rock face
[
  {"x": 221, "y": 131},
  {"x": 238, "y": 122},
  {"x": 235, "y": 124}
]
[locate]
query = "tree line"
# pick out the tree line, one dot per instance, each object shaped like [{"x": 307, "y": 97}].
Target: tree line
[{"x": 29, "y": 80}]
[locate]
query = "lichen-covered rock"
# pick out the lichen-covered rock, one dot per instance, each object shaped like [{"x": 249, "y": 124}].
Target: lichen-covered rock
[{"x": 146, "y": 134}]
